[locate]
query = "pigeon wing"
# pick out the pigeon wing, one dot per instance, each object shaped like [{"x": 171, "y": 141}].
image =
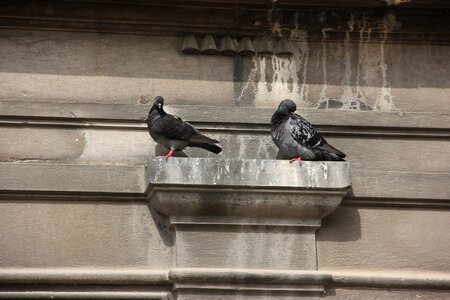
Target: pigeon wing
[
  {"x": 304, "y": 133},
  {"x": 174, "y": 128}
]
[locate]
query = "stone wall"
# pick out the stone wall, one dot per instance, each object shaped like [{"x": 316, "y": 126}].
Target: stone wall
[
  {"x": 74, "y": 147},
  {"x": 358, "y": 74}
]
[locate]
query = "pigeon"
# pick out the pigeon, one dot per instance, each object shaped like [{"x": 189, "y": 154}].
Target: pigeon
[
  {"x": 174, "y": 133},
  {"x": 297, "y": 139}
]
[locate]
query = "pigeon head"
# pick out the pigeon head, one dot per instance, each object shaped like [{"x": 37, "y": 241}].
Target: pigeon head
[
  {"x": 287, "y": 106},
  {"x": 159, "y": 102}
]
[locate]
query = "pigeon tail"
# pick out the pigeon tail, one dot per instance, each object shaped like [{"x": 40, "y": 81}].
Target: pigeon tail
[
  {"x": 331, "y": 149},
  {"x": 200, "y": 138},
  {"x": 327, "y": 156},
  {"x": 210, "y": 147}
]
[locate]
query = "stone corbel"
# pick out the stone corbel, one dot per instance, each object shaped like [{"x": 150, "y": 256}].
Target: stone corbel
[{"x": 246, "y": 213}]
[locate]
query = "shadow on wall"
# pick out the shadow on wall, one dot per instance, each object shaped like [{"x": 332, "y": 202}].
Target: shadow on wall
[
  {"x": 162, "y": 225},
  {"x": 97, "y": 67},
  {"x": 343, "y": 225},
  {"x": 346, "y": 62}
]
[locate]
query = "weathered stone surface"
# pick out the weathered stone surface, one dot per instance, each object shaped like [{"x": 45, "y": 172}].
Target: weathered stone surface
[
  {"x": 380, "y": 122},
  {"x": 71, "y": 66},
  {"x": 133, "y": 145},
  {"x": 58, "y": 234},
  {"x": 18, "y": 292},
  {"x": 355, "y": 238},
  {"x": 401, "y": 185},
  {"x": 389, "y": 115},
  {"x": 359, "y": 75},
  {"x": 66, "y": 178},
  {"x": 256, "y": 247},
  {"x": 85, "y": 275},
  {"x": 292, "y": 284},
  {"x": 41, "y": 144},
  {"x": 384, "y": 188},
  {"x": 249, "y": 173},
  {"x": 255, "y": 214},
  {"x": 338, "y": 293},
  {"x": 357, "y": 294},
  {"x": 253, "y": 189}
]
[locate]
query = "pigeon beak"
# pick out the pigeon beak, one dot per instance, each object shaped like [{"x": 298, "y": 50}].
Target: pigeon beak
[{"x": 159, "y": 105}]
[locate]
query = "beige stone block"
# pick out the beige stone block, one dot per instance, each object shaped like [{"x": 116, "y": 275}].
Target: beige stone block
[
  {"x": 245, "y": 213},
  {"x": 232, "y": 295},
  {"x": 254, "y": 247},
  {"x": 70, "y": 66},
  {"x": 384, "y": 239},
  {"x": 56, "y": 234},
  {"x": 108, "y": 68},
  {"x": 65, "y": 179},
  {"x": 40, "y": 144},
  {"x": 361, "y": 293}
]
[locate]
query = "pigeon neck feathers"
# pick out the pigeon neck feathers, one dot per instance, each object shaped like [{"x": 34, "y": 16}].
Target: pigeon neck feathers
[
  {"x": 155, "y": 111},
  {"x": 278, "y": 117}
]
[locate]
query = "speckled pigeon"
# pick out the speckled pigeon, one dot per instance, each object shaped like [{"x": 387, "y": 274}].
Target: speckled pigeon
[
  {"x": 175, "y": 134},
  {"x": 297, "y": 139}
]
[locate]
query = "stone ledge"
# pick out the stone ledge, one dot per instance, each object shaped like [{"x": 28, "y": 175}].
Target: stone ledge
[
  {"x": 246, "y": 213},
  {"x": 25, "y": 180},
  {"x": 248, "y": 173},
  {"x": 85, "y": 294},
  {"x": 165, "y": 277},
  {"x": 249, "y": 191},
  {"x": 133, "y": 115}
]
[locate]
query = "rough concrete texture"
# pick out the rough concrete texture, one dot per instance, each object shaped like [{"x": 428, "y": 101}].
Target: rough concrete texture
[
  {"x": 245, "y": 192},
  {"x": 41, "y": 144},
  {"x": 92, "y": 68},
  {"x": 387, "y": 165},
  {"x": 248, "y": 172},
  {"x": 361, "y": 75},
  {"x": 383, "y": 239},
  {"x": 52, "y": 234},
  {"x": 119, "y": 146},
  {"x": 232, "y": 295},
  {"x": 255, "y": 247},
  {"x": 339, "y": 293},
  {"x": 65, "y": 178},
  {"x": 350, "y": 76},
  {"x": 257, "y": 214},
  {"x": 354, "y": 75},
  {"x": 239, "y": 206},
  {"x": 357, "y": 294}
]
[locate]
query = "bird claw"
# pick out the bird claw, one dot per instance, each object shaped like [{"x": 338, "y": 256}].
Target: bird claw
[
  {"x": 296, "y": 159},
  {"x": 170, "y": 154}
]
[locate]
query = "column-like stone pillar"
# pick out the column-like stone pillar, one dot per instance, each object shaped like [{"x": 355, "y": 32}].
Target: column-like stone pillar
[{"x": 245, "y": 214}]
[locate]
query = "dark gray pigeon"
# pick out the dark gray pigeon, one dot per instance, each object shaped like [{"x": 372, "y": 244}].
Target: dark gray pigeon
[
  {"x": 297, "y": 139},
  {"x": 175, "y": 134}
]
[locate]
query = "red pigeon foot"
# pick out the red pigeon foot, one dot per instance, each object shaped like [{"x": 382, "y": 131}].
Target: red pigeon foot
[
  {"x": 170, "y": 154},
  {"x": 296, "y": 159}
]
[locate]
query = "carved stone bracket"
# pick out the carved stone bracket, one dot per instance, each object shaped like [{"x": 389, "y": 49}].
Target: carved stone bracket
[{"x": 254, "y": 214}]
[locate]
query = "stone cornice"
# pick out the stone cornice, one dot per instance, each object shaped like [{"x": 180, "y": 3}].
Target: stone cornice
[
  {"x": 244, "y": 173},
  {"x": 200, "y": 191},
  {"x": 280, "y": 3},
  {"x": 164, "y": 277},
  {"x": 222, "y": 119},
  {"x": 424, "y": 21},
  {"x": 387, "y": 190}
]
